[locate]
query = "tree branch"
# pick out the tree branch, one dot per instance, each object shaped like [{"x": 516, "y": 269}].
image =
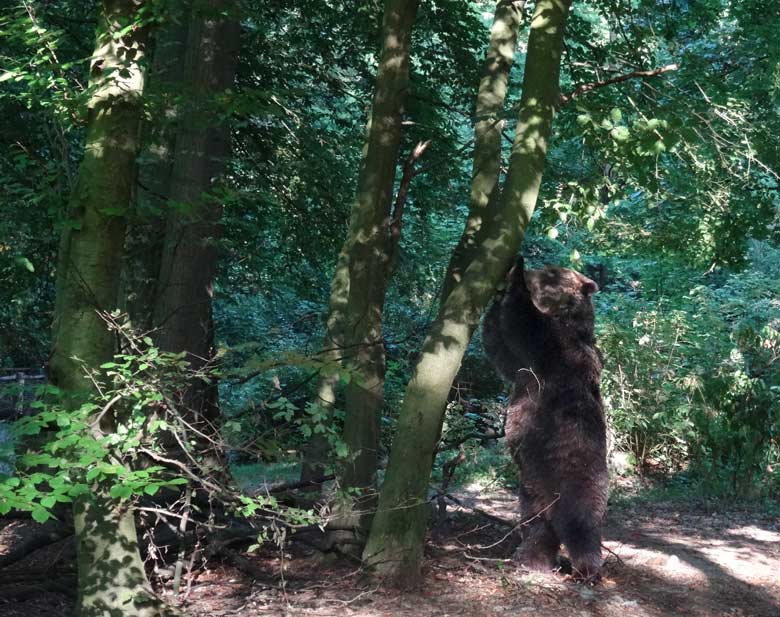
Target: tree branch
[
  {"x": 565, "y": 99},
  {"x": 401, "y": 197}
]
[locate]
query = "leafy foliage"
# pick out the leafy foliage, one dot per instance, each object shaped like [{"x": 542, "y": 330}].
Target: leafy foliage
[{"x": 70, "y": 447}]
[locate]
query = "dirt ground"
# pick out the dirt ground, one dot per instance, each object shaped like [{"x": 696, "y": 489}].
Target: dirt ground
[{"x": 661, "y": 559}]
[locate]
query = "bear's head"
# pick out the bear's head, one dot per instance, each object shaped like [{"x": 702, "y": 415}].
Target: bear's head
[{"x": 561, "y": 293}]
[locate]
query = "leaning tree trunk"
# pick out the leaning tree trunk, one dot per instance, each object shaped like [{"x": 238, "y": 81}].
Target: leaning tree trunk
[
  {"x": 111, "y": 573},
  {"x": 183, "y": 310},
  {"x": 354, "y": 326},
  {"x": 394, "y": 547},
  {"x": 487, "y": 135}
]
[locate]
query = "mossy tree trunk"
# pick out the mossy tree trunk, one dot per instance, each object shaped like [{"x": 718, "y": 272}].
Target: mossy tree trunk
[
  {"x": 183, "y": 309},
  {"x": 354, "y": 325},
  {"x": 394, "y": 547},
  {"x": 112, "y": 580},
  {"x": 487, "y": 134}
]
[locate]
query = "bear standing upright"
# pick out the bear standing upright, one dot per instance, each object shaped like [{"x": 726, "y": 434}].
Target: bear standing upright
[{"x": 539, "y": 335}]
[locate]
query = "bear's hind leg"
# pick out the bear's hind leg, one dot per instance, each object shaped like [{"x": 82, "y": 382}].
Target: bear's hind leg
[
  {"x": 580, "y": 532},
  {"x": 539, "y": 549}
]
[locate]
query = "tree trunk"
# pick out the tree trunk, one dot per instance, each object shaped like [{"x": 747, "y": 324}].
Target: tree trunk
[
  {"x": 394, "y": 547},
  {"x": 360, "y": 283},
  {"x": 112, "y": 580},
  {"x": 146, "y": 227},
  {"x": 183, "y": 311},
  {"x": 487, "y": 135},
  {"x": 315, "y": 452}
]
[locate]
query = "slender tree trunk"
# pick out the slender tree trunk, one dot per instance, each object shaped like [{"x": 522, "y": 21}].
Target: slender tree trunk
[
  {"x": 112, "y": 580},
  {"x": 394, "y": 547},
  {"x": 370, "y": 256},
  {"x": 183, "y": 311},
  {"x": 487, "y": 135},
  {"x": 362, "y": 273},
  {"x": 316, "y": 450}
]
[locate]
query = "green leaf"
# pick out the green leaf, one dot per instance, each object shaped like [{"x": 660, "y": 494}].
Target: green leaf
[
  {"x": 616, "y": 115},
  {"x": 120, "y": 491},
  {"x": 620, "y": 133},
  {"x": 40, "y": 515},
  {"x": 25, "y": 263}
]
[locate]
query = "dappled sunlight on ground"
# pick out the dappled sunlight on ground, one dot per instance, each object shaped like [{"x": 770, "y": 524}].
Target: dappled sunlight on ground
[{"x": 661, "y": 560}]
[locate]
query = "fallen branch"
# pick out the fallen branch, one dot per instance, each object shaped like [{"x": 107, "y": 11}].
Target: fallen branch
[
  {"x": 291, "y": 486},
  {"x": 51, "y": 532},
  {"x": 488, "y": 515}
]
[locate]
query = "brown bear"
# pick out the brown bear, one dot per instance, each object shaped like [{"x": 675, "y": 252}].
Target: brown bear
[{"x": 539, "y": 335}]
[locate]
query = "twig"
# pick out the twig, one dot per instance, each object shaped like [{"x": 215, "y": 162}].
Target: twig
[
  {"x": 182, "y": 529},
  {"x": 613, "y": 553},
  {"x": 494, "y": 559},
  {"x": 357, "y": 597}
]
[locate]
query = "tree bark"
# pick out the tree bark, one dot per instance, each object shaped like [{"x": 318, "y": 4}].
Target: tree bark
[
  {"x": 394, "y": 547},
  {"x": 360, "y": 282},
  {"x": 112, "y": 580},
  {"x": 487, "y": 134},
  {"x": 146, "y": 227},
  {"x": 183, "y": 310}
]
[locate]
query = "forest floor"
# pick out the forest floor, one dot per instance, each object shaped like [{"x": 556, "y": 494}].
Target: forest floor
[{"x": 673, "y": 558}]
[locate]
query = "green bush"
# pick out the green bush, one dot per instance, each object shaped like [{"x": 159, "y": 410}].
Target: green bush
[{"x": 694, "y": 381}]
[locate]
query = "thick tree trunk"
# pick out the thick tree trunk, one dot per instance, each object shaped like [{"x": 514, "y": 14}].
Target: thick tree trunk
[
  {"x": 487, "y": 135},
  {"x": 146, "y": 227},
  {"x": 360, "y": 282},
  {"x": 394, "y": 547},
  {"x": 183, "y": 311},
  {"x": 111, "y": 573}
]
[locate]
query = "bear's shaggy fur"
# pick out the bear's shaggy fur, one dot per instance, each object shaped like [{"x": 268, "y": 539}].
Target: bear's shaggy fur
[{"x": 539, "y": 335}]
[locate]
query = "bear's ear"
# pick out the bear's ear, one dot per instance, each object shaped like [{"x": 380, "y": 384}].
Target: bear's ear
[
  {"x": 589, "y": 287},
  {"x": 516, "y": 277}
]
